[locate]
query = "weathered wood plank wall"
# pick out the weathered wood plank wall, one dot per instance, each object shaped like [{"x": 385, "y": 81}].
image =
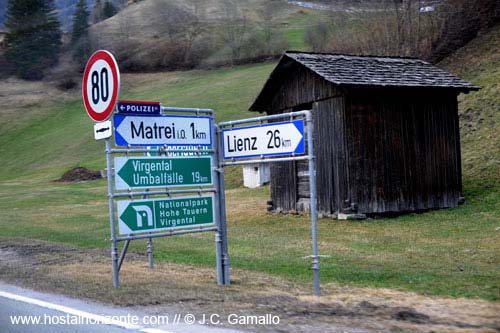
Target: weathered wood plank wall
[
  {"x": 404, "y": 150},
  {"x": 301, "y": 86},
  {"x": 289, "y": 180},
  {"x": 377, "y": 149}
]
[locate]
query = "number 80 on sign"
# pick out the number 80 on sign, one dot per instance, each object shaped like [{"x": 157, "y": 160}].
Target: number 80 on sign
[{"x": 101, "y": 84}]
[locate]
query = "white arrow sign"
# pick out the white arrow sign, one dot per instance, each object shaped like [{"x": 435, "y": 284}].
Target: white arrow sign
[
  {"x": 102, "y": 130},
  {"x": 162, "y": 130},
  {"x": 265, "y": 140}
]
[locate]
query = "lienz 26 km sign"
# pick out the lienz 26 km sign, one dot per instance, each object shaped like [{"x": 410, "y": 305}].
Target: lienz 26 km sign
[
  {"x": 264, "y": 140},
  {"x": 164, "y": 214},
  {"x": 162, "y": 130},
  {"x": 155, "y": 172}
]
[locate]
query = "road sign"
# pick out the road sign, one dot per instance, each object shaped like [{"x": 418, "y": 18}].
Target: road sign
[
  {"x": 154, "y": 172},
  {"x": 102, "y": 130},
  {"x": 101, "y": 84},
  {"x": 164, "y": 214},
  {"x": 138, "y": 108},
  {"x": 162, "y": 130},
  {"x": 273, "y": 139}
]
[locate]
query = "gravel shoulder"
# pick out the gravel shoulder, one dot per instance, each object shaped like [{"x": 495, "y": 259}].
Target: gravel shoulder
[{"x": 86, "y": 274}]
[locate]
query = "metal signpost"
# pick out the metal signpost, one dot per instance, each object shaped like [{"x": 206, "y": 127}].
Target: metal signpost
[
  {"x": 168, "y": 176},
  {"x": 267, "y": 141},
  {"x": 165, "y": 195}
]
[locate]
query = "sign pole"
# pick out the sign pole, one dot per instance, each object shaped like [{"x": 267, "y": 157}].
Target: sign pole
[
  {"x": 219, "y": 231},
  {"x": 114, "y": 249},
  {"x": 222, "y": 207},
  {"x": 150, "y": 252},
  {"x": 314, "y": 213},
  {"x": 150, "y": 240},
  {"x": 270, "y": 143}
]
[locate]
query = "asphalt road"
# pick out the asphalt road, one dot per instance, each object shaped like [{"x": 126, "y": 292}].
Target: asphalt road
[
  {"x": 9, "y": 308},
  {"x": 57, "y": 314}
]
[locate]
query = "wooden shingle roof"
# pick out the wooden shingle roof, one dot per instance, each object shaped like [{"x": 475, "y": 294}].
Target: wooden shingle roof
[{"x": 349, "y": 70}]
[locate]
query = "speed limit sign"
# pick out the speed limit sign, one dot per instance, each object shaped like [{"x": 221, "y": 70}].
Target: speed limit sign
[{"x": 101, "y": 84}]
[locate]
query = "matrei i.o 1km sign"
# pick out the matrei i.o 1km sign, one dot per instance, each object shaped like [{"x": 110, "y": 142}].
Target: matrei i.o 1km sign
[{"x": 101, "y": 85}]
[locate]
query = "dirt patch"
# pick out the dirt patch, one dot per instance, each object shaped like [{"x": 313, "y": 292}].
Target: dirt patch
[
  {"x": 86, "y": 273},
  {"x": 80, "y": 174}
]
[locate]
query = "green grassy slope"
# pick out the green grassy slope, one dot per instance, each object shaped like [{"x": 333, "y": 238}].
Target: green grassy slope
[
  {"x": 56, "y": 138},
  {"x": 479, "y": 63}
]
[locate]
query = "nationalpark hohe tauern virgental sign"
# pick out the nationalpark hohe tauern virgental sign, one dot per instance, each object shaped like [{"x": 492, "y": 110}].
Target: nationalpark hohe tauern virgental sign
[{"x": 147, "y": 215}]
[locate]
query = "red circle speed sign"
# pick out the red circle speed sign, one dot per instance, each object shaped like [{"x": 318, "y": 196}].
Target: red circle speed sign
[{"x": 101, "y": 84}]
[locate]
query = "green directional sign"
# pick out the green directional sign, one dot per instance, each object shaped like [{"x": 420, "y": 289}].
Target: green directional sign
[
  {"x": 148, "y": 215},
  {"x": 151, "y": 172}
]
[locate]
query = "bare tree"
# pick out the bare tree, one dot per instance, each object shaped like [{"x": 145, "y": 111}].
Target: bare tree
[
  {"x": 234, "y": 28},
  {"x": 178, "y": 29},
  {"x": 267, "y": 15}
]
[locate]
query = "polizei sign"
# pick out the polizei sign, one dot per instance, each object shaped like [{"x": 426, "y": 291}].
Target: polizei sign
[
  {"x": 138, "y": 108},
  {"x": 162, "y": 130},
  {"x": 274, "y": 139}
]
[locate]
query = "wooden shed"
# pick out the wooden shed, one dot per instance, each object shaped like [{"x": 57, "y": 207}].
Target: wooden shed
[{"x": 386, "y": 133}]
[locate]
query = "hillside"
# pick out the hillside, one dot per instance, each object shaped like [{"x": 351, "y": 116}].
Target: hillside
[
  {"x": 172, "y": 34},
  {"x": 479, "y": 62},
  {"x": 44, "y": 132},
  {"x": 229, "y": 92},
  {"x": 65, "y": 10}
]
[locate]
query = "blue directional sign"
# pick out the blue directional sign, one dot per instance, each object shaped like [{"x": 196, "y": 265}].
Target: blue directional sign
[
  {"x": 162, "y": 130},
  {"x": 138, "y": 108},
  {"x": 285, "y": 138}
]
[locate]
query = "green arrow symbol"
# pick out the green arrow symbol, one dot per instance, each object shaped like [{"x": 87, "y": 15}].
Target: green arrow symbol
[
  {"x": 139, "y": 216},
  {"x": 126, "y": 172}
]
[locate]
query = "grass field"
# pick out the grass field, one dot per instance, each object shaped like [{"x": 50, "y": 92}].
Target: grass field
[{"x": 448, "y": 252}]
